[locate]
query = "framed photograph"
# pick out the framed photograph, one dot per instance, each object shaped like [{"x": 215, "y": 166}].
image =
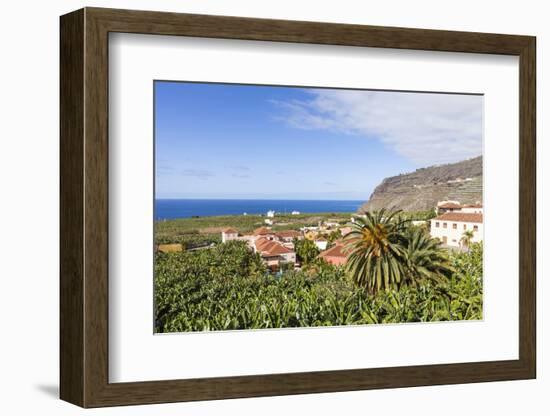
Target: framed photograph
[{"x": 255, "y": 207}]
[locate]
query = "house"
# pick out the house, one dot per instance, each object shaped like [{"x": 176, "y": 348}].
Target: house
[
  {"x": 229, "y": 234},
  {"x": 295, "y": 213},
  {"x": 454, "y": 206},
  {"x": 267, "y": 221},
  {"x": 270, "y": 214},
  {"x": 336, "y": 255},
  {"x": 321, "y": 243},
  {"x": 274, "y": 253},
  {"x": 331, "y": 224},
  {"x": 448, "y": 206},
  {"x": 450, "y": 227},
  {"x": 472, "y": 208},
  {"x": 264, "y": 232},
  {"x": 261, "y": 231},
  {"x": 288, "y": 236},
  {"x": 275, "y": 249}
]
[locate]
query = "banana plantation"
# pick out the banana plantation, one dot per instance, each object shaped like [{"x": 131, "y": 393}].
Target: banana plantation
[{"x": 396, "y": 274}]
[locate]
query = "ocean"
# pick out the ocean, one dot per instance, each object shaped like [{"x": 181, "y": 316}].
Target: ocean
[{"x": 186, "y": 208}]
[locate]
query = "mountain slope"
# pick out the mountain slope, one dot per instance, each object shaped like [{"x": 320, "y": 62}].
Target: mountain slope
[{"x": 423, "y": 188}]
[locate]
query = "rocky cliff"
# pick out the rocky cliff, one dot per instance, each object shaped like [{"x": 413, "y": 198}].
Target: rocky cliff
[{"x": 421, "y": 189}]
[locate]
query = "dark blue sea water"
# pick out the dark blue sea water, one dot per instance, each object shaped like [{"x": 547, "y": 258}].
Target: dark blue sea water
[{"x": 185, "y": 208}]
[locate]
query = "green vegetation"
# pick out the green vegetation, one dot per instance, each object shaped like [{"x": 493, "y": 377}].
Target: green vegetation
[
  {"x": 227, "y": 287},
  {"x": 377, "y": 253},
  {"x": 386, "y": 252},
  {"x": 306, "y": 251},
  {"x": 333, "y": 236},
  {"x": 190, "y": 240},
  {"x": 419, "y": 215},
  {"x": 202, "y": 231},
  {"x": 424, "y": 258},
  {"x": 467, "y": 237}
]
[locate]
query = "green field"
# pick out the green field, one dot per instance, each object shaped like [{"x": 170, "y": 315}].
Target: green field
[{"x": 205, "y": 230}]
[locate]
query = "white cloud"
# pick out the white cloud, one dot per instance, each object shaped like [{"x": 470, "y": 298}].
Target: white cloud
[
  {"x": 238, "y": 168},
  {"x": 240, "y": 175},
  {"x": 424, "y": 128},
  {"x": 197, "y": 173}
]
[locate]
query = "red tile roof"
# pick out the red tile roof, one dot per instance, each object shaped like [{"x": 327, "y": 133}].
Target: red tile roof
[
  {"x": 473, "y": 206},
  {"x": 230, "y": 231},
  {"x": 449, "y": 205},
  {"x": 338, "y": 250},
  {"x": 460, "y": 217},
  {"x": 279, "y": 249},
  {"x": 262, "y": 231},
  {"x": 261, "y": 242},
  {"x": 271, "y": 248}
]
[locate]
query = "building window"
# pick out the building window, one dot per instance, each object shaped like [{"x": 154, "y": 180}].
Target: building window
[
  {"x": 464, "y": 226},
  {"x": 454, "y": 226},
  {"x": 475, "y": 228},
  {"x": 444, "y": 225},
  {"x": 436, "y": 225}
]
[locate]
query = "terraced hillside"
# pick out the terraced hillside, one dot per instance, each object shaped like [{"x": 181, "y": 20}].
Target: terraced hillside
[{"x": 421, "y": 189}]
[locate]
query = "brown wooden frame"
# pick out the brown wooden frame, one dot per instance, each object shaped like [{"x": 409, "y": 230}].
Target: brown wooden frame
[{"x": 84, "y": 207}]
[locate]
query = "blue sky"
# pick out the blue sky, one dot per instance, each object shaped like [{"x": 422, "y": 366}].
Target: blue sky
[{"x": 259, "y": 142}]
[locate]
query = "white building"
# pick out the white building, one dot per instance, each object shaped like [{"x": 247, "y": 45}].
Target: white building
[
  {"x": 295, "y": 212},
  {"x": 448, "y": 206},
  {"x": 288, "y": 236},
  {"x": 229, "y": 234},
  {"x": 270, "y": 214},
  {"x": 450, "y": 227},
  {"x": 472, "y": 208},
  {"x": 321, "y": 243}
]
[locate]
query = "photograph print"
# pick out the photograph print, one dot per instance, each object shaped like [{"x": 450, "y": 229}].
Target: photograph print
[{"x": 294, "y": 206}]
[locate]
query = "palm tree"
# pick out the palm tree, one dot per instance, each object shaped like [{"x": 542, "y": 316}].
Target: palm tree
[
  {"x": 425, "y": 258},
  {"x": 467, "y": 237},
  {"x": 377, "y": 255}
]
